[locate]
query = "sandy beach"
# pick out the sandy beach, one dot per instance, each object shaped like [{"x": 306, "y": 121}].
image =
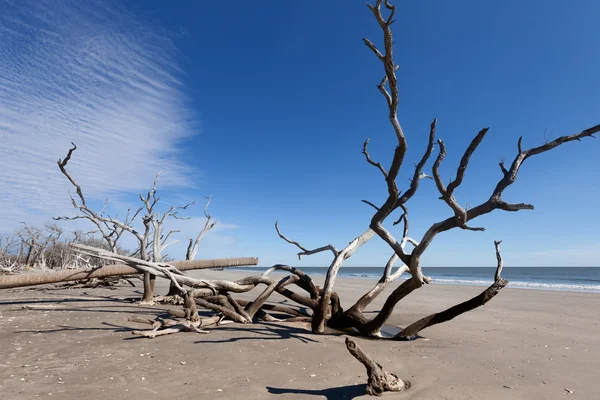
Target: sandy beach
[{"x": 77, "y": 344}]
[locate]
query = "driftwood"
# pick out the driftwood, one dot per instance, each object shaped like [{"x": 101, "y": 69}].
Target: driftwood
[
  {"x": 481, "y": 299},
  {"x": 379, "y": 380},
  {"x": 41, "y": 278}
]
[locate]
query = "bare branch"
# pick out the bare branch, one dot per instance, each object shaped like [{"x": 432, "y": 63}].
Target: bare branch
[
  {"x": 371, "y": 46},
  {"x": 511, "y": 176},
  {"x": 464, "y": 162},
  {"x": 320, "y": 313},
  {"x": 208, "y": 225},
  {"x": 208, "y": 200},
  {"x": 392, "y": 9},
  {"x": 495, "y": 201},
  {"x": 503, "y": 167},
  {"x": 499, "y": 257},
  {"x": 371, "y": 204},
  {"x": 305, "y": 282},
  {"x": 403, "y": 217},
  {"x": 370, "y": 161},
  {"x": 384, "y": 92},
  {"x": 501, "y": 205},
  {"x": 96, "y": 218},
  {"x": 436, "y": 168},
  {"x": 165, "y": 238},
  {"x": 62, "y": 165},
  {"x": 305, "y": 251},
  {"x": 419, "y": 174},
  {"x": 392, "y": 99},
  {"x": 355, "y": 312},
  {"x": 448, "y": 193},
  {"x": 164, "y": 246}
]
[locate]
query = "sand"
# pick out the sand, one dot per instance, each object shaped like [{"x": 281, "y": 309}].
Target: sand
[{"x": 77, "y": 344}]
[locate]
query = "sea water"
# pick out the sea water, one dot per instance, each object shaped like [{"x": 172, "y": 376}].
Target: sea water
[{"x": 576, "y": 279}]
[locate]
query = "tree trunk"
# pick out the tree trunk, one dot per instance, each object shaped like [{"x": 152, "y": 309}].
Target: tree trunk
[
  {"x": 42, "y": 278},
  {"x": 149, "y": 281},
  {"x": 173, "y": 290},
  {"x": 29, "y": 254}
]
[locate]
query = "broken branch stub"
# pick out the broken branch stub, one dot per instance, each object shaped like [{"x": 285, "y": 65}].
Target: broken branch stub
[{"x": 379, "y": 380}]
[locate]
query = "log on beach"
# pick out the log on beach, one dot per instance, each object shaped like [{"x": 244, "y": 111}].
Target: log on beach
[{"x": 42, "y": 278}]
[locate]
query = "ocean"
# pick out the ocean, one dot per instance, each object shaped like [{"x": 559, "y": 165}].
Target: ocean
[{"x": 574, "y": 279}]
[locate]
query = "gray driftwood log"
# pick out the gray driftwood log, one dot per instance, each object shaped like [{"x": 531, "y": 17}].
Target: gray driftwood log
[{"x": 41, "y": 278}]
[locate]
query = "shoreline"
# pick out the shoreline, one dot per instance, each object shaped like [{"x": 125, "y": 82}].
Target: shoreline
[{"x": 533, "y": 285}]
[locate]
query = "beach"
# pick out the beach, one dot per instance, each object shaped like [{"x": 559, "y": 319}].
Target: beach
[{"x": 77, "y": 344}]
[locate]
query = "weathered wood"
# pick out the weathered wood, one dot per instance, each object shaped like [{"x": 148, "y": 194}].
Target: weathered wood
[
  {"x": 296, "y": 312},
  {"x": 31, "y": 279},
  {"x": 481, "y": 299},
  {"x": 379, "y": 380},
  {"x": 227, "y": 311}
]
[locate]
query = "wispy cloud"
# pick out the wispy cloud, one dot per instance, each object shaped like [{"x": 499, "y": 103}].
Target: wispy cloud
[{"x": 91, "y": 73}]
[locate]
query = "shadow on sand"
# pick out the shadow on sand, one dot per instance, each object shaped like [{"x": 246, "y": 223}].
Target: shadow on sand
[{"x": 342, "y": 392}]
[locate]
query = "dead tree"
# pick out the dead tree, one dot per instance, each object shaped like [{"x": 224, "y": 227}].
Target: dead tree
[
  {"x": 8, "y": 260},
  {"x": 193, "y": 245},
  {"x": 160, "y": 240},
  {"x": 152, "y": 240},
  {"x": 333, "y": 315},
  {"x": 30, "y": 237},
  {"x": 111, "y": 229}
]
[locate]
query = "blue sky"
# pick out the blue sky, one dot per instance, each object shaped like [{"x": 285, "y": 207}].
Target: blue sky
[{"x": 266, "y": 108}]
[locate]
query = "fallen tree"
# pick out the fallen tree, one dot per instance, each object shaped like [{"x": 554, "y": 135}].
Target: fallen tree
[
  {"x": 42, "y": 278},
  {"x": 152, "y": 239},
  {"x": 325, "y": 305}
]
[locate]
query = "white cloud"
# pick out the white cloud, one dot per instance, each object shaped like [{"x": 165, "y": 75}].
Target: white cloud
[{"x": 90, "y": 73}]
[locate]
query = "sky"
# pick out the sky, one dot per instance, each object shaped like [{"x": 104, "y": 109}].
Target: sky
[{"x": 265, "y": 107}]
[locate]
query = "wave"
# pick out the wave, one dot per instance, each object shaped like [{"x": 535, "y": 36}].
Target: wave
[
  {"x": 523, "y": 285},
  {"x": 570, "y": 285},
  {"x": 361, "y": 275}
]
